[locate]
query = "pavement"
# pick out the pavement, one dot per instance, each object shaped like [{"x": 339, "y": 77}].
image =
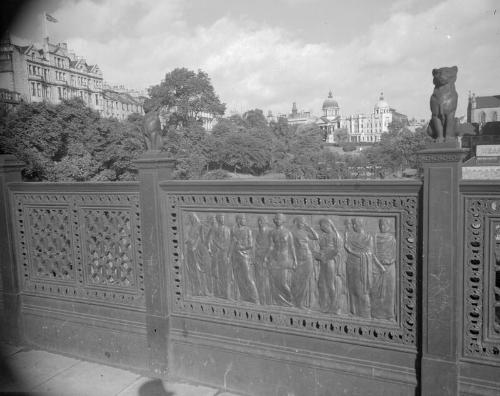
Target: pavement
[{"x": 39, "y": 373}]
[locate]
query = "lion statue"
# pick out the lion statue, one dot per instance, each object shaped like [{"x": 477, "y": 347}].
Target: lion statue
[
  {"x": 152, "y": 129},
  {"x": 443, "y": 104}
]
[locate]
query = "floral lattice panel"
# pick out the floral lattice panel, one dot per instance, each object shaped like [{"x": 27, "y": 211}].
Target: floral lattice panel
[
  {"x": 482, "y": 278},
  {"x": 80, "y": 245},
  {"x": 335, "y": 266}
]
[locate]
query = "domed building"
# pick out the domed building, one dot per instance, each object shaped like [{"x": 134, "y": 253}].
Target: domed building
[
  {"x": 368, "y": 128},
  {"x": 331, "y": 119},
  {"x": 360, "y": 128}
]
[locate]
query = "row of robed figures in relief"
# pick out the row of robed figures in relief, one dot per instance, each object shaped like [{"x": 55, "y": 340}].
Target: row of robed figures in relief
[{"x": 334, "y": 264}]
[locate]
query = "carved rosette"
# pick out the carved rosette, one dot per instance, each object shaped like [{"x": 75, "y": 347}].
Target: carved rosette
[
  {"x": 482, "y": 278},
  {"x": 83, "y": 246},
  {"x": 188, "y": 212}
]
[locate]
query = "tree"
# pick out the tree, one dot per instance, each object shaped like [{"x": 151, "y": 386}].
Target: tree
[
  {"x": 397, "y": 150},
  {"x": 255, "y": 119},
  {"x": 341, "y": 135},
  {"x": 186, "y": 96},
  {"x": 297, "y": 151},
  {"x": 69, "y": 142}
]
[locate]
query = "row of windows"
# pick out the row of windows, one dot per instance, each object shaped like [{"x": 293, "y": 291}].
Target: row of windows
[
  {"x": 371, "y": 123},
  {"x": 39, "y": 91},
  {"x": 365, "y": 139},
  {"x": 61, "y": 76},
  {"x": 37, "y": 71},
  {"x": 85, "y": 96},
  {"x": 125, "y": 106},
  {"x": 59, "y": 62},
  {"x": 42, "y": 91},
  {"x": 483, "y": 118}
]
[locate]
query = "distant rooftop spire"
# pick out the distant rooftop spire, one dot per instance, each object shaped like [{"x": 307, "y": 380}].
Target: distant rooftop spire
[
  {"x": 381, "y": 96},
  {"x": 330, "y": 94}
]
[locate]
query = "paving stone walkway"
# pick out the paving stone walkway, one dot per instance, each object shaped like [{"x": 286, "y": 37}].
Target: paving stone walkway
[{"x": 40, "y": 373}]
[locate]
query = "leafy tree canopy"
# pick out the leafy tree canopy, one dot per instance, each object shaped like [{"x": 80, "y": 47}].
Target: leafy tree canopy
[
  {"x": 185, "y": 95},
  {"x": 69, "y": 142}
]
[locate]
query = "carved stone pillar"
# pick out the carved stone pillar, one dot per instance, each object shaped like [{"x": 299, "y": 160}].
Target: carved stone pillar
[
  {"x": 10, "y": 171},
  {"x": 440, "y": 274},
  {"x": 153, "y": 167}
]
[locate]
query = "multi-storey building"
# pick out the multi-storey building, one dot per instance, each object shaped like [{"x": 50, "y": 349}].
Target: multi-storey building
[
  {"x": 50, "y": 72},
  {"x": 361, "y": 128},
  {"x": 331, "y": 119},
  {"x": 119, "y": 102},
  {"x": 369, "y": 127},
  {"x": 297, "y": 117},
  {"x": 482, "y": 109}
]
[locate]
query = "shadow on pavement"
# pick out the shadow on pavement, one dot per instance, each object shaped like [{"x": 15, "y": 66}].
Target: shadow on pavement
[
  {"x": 9, "y": 381},
  {"x": 154, "y": 388}
]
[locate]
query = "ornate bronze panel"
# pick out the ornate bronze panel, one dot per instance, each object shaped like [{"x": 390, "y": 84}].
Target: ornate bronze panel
[
  {"x": 336, "y": 266},
  {"x": 482, "y": 278},
  {"x": 80, "y": 245}
]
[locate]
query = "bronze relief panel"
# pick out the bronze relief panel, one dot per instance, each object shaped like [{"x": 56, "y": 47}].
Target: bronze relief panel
[{"x": 343, "y": 266}]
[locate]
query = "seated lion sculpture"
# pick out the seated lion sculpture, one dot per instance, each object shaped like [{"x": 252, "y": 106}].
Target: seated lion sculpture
[
  {"x": 152, "y": 128},
  {"x": 443, "y": 104}
]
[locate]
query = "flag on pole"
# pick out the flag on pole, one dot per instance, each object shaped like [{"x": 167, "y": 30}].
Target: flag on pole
[{"x": 50, "y": 18}]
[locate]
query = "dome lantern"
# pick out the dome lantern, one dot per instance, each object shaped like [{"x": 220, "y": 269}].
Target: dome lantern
[{"x": 330, "y": 102}]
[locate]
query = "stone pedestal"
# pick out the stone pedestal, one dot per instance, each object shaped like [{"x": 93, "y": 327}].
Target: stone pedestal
[
  {"x": 153, "y": 167},
  {"x": 10, "y": 171},
  {"x": 440, "y": 278}
]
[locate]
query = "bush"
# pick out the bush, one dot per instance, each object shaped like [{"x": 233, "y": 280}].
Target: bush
[
  {"x": 218, "y": 174},
  {"x": 347, "y": 147}
]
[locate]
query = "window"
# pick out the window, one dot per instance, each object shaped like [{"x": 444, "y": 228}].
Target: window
[
  {"x": 494, "y": 116},
  {"x": 482, "y": 117},
  {"x": 33, "y": 89},
  {"x": 38, "y": 90}
]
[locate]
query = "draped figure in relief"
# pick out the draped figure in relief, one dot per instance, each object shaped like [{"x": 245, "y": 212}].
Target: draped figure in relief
[
  {"x": 218, "y": 242},
  {"x": 384, "y": 288},
  {"x": 281, "y": 261},
  {"x": 359, "y": 267},
  {"x": 194, "y": 255},
  {"x": 301, "y": 278},
  {"x": 262, "y": 243},
  {"x": 240, "y": 253},
  {"x": 332, "y": 273}
]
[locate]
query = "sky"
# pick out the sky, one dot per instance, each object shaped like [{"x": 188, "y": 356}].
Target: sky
[{"x": 268, "y": 54}]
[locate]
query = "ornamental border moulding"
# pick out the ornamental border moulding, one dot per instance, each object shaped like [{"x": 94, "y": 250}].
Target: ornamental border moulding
[
  {"x": 403, "y": 208},
  {"x": 122, "y": 247},
  {"x": 481, "y": 340}
]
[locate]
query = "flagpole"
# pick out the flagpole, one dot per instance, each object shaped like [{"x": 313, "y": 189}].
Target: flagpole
[{"x": 45, "y": 28}]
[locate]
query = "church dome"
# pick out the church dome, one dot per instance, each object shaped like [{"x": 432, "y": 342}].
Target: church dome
[
  {"x": 329, "y": 102},
  {"x": 382, "y": 104}
]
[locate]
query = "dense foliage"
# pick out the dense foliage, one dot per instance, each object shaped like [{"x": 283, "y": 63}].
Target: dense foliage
[
  {"x": 185, "y": 96},
  {"x": 70, "y": 142}
]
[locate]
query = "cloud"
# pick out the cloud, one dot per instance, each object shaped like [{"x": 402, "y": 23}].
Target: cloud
[{"x": 253, "y": 64}]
